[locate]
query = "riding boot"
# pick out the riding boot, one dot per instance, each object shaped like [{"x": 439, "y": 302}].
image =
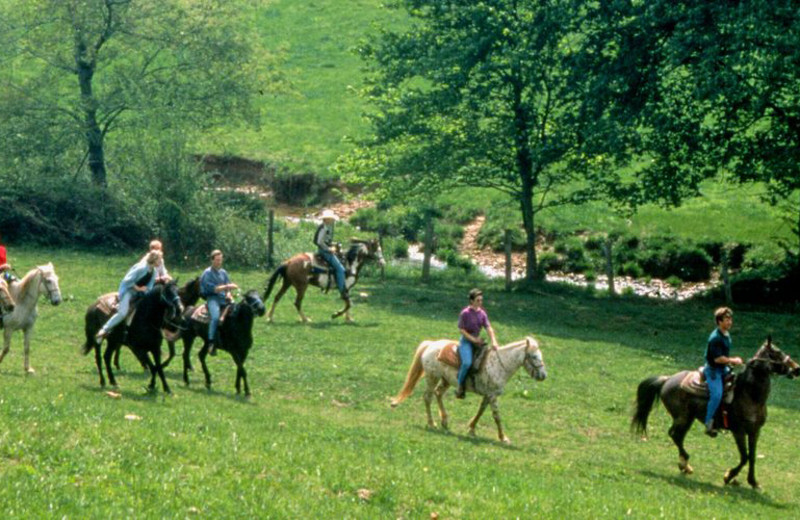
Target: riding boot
[
  {"x": 214, "y": 344},
  {"x": 461, "y": 392},
  {"x": 710, "y": 431}
]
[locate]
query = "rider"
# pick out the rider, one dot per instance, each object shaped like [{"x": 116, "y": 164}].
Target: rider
[
  {"x": 215, "y": 287},
  {"x": 5, "y": 267},
  {"x": 162, "y": 275},
  {"x": 470, "y": 321},
  {"x": 323, "y": 239},
  {"x": 717, "y": 361},
  {"x": 140, "y": 278}
]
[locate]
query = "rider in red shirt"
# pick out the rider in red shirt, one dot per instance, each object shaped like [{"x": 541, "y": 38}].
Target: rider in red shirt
[{"x": 4, "y": 265}]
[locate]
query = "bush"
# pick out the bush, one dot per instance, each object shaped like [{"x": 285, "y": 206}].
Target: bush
[
  {"x": 453, "y": 259},
  {"x": 632, "y": 269},
  {"x": 395, "y": 247},
  {"x": 575, "y": 258},
  {"x": 549, "y": 261}
]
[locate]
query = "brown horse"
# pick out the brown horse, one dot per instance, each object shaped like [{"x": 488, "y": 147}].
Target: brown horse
[
  {"x": 306, "y": 269},
  {"x": 747, "y": 413}
]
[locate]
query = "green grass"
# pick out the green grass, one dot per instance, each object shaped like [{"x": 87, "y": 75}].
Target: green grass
[
  {"x": 318, "y": 427},
  {"x": 308, "y": 126}
]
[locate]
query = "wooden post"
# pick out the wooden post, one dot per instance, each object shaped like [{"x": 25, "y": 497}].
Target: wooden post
[
  {"x": 270, "y": 236},
  {"x": 508, "y": 259},
  {"x": 608, "y": 249},
  {"x": 726, "y": 281},
  {"x": 426, "y": 259}
]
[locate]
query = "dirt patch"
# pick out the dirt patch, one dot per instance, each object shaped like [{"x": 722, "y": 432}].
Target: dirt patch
[{"x": 485, "y": 257}]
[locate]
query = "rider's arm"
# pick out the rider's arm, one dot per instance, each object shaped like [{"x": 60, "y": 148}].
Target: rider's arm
[
  {"x": 492, "y": 337},
  {"x": 725, "y": 360},
  {"x": 470, "y": 337}
]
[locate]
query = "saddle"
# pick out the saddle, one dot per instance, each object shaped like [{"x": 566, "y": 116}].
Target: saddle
[
  {"x": 321, "y": 266},
  {"x": 201, "y": 315},
  {"x": 108, "y": 304},
  {"x": 695, "y": 383},
  {"x": 449, "y": 356}
]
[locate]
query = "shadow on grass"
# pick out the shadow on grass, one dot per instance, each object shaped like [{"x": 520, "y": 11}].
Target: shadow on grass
[
  {"x": 465, "y": 437},
  {"x": 328, "y": 324},
  {"x": 688, "y": 483}
]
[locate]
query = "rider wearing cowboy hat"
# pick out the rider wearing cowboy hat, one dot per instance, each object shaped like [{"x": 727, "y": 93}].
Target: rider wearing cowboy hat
[{"x": 323, "y": 239}]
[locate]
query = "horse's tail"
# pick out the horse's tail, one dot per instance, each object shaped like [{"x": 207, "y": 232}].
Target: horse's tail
[
  {"x": 415, "y": 372},
  {"x": 280, "y": 271},
  {"x": 646, "y": 396}
]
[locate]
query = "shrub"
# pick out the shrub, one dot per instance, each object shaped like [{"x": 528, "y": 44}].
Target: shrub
[
  {"x": 549, "y": 261},
  {"x": 632, "y": 269},
  {"x": 453, "y": 259},
  {"x": 395, "y": 247}
]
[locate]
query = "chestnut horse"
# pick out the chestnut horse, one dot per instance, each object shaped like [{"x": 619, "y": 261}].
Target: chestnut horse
[
  {"x": 491, "y": 379},
  {"x": 303, "y": 270},
  {"x": 25, "y": 293},
  {"x": 747, "y": 413}
]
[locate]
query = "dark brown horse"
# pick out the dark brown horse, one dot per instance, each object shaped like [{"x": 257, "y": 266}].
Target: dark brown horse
[
  {"x": 157, "y": 307},
  {"x": 304, "y": 269},
  {"x": 747, "y": 413}
]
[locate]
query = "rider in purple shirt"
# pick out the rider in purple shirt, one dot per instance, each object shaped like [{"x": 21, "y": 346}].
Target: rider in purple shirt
[{"x": 470, "y": 322}]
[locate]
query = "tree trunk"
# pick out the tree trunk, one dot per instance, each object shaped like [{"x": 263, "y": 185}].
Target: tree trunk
[
  {"x": 94, "y": 136},
  {"x": 528, "y": 179},
  {"x": 608, "y": 250},
  {"x": 508, "y": 259}
]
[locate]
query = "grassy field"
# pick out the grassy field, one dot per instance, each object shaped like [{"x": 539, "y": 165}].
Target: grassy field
[{"x": 318, "y": 439}]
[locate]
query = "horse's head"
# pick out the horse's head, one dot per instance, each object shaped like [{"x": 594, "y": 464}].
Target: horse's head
[
  {"x": 776, "y": 360},
  {"x": 190, "y": 292},
  {"x": 253, "y": 300},
  {"x": 369, "y": 250},
  {"x": 171, "y": 299},
  {"x": 50, "y": 282},
  {"x": 6, "y": 301},
  {"x": 534, "y": 362}
]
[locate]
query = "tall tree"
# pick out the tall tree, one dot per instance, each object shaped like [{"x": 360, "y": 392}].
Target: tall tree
[
  {"x": 478, "y": 93},
  {"x": 699, "y": 89},
  {"x": 89, "y": 67}
]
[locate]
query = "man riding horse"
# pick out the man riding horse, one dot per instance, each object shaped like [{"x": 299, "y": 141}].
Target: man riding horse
[
  {"x": 718, "y": 359},
  {"x": 323, "y": 239},
  {"x": 216, "y": 287}
]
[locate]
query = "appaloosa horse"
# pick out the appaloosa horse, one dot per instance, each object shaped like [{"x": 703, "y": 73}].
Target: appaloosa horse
[
  {"x": 499, "y": 365},
  {"x": 25, "y": 293},
  {"x": 747, "y": 413},
  {"x": 159, "y": 306},
  {"x": 305, "y": 269},
  {"x": 236, "y": 335}
]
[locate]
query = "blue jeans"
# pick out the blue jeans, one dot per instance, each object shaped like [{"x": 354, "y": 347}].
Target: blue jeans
[
  {"x": 337, "y": 266},
  {"x": 122, "y": 311},
  {"x": 214, "y": 310},
  {"x": 715, "y": 379},
  {"x": 465, "y": 353}
]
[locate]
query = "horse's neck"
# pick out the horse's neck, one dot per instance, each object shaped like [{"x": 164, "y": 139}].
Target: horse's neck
[
  {"x": 754, "y": 384},
  {"x": 27, "y": 290},
  {"x": 510, "y": 358}
]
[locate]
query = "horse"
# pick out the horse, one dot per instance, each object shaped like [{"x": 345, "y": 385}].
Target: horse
[
  {"x": 301, "y": 270},
  {"x": 189, "y": 293},
  {"x": 25, "y": 293},
  {"x": 746, "y": 414},
  {"x": 236, "y": 335},
  {"x": 499, "y": 365},
  {"x": 6, "y": 300},
  {"x": 158, "y": 306}
]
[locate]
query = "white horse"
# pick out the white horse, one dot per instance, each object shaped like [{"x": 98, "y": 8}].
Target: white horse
[
  {"x": 26, "y": 292},
  {"x": 500, "y": 364}
]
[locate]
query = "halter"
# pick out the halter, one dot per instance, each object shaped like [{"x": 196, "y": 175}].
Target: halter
[
  {"x": 47, "y": 283},
  {"x": 783, "y": 362}
]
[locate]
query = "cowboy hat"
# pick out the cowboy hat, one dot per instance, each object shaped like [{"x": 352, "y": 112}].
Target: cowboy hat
[{"x": 328, "y": 214}]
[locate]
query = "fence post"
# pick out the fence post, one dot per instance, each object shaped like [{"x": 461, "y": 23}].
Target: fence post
[
  {"x": 426, "y": 259},
  {"x": 608, "y": 249},
  {"x": 270, "y": 237},
  {"x": 508, "y": 259},
  {"x": 726, "y": 281}
]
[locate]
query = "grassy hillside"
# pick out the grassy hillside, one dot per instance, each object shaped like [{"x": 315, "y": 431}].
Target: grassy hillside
[
  {"x": 308, "y": 125},
  {"x": 318, "y": 440}
]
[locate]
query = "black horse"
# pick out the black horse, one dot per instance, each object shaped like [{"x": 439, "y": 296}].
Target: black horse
[
  {"x": 236, "y": 335},
  {"x": 189, "y": 294},
  {"x": 746, "y": 414},
  {"x": 159, "y": 306}
]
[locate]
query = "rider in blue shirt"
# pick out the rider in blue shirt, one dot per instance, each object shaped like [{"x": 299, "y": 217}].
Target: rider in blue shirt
[
  {"x": 717, "y": 364},
  {"x": 215, "y": 287}
]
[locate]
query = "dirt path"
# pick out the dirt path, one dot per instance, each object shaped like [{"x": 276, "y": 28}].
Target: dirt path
[{"x": 485, "y": 257}]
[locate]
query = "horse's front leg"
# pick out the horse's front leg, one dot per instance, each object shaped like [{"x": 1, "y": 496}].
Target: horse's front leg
[
  {"x": 26, "y": 340},
  {"x": 160, "y": 369},
  {"x": 171, "y": 346},
  {"x": 345, "y": 309},
  {"x": 752, "y": 441},
  {"x": 496, "y": 414},
  {"x": 6, "y": 342},
  {"x": 730, "y": 475},
  {"x": 482, "y": 408}
]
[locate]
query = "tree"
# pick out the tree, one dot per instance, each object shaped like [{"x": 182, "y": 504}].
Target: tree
[
  {"x": 77, "y": 70},
  {"x": 699, "y": 89},
  {"x": 478, "y": 93}
]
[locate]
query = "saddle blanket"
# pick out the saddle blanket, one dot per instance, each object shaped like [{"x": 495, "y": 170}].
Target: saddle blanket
[
  {"x": 201, "y": 314},
  {"x": 108, "y": 303},
  {"x": 694, "y": 382}
]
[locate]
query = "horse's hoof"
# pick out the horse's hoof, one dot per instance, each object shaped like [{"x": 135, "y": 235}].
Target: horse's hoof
[
  {"x": 686, "y": 469},
  {"x": 471, "y": 433},
  {"x": 506, "y": 440},
  {"x": 29, "y": 371},
  {"x": 755, "y": 486}
]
